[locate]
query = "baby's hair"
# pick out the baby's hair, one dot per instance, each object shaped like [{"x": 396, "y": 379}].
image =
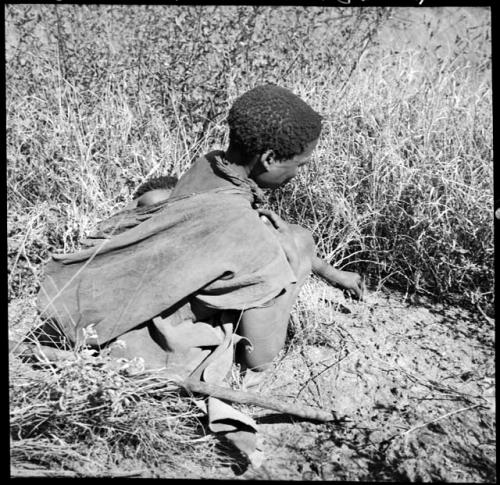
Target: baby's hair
[
  {"x": 163, "y": 182},
  {"x": 272, "y": 118}
]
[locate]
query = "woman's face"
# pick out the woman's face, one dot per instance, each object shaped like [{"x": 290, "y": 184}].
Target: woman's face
[{"x": 270, "y": 173}]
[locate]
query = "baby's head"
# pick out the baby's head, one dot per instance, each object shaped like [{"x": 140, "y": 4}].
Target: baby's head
[
  {"x": 275, "y": 126},
  {"x": 154, "y": 190}
]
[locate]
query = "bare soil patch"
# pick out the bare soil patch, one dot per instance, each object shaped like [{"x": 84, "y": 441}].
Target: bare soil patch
[
  {"x": 415, "y": 384},
  {"x": 416, "y": 381}
]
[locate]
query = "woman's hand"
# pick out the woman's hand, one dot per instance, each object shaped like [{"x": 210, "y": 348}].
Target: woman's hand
[
  {"x": 348, "y": 281},
  {"x": 353, "y": 283},
  {"x": 274, "y": 218}
]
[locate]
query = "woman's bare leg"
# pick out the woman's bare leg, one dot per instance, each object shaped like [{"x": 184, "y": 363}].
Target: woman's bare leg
[{"x": 266, "y": 328}]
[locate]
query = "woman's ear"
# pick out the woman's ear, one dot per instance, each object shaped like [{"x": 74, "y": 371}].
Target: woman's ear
[{"x": 267, "y": 159}]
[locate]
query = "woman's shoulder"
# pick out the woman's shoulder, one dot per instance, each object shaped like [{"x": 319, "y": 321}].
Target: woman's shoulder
[
  {"x": 214, "y": 153},
  {"x": 200, "y": 176},
  {"x": 208, "y": 158}
]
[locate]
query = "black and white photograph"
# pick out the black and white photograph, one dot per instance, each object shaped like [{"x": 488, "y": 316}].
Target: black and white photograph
[{"x": 251, "y": 242}]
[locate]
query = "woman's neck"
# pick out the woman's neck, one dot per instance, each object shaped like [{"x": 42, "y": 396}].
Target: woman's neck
[
  {"x": 239, "y": 163},
  {"x": 200, "y": 177},
  {"x": 214, "y": 171}
]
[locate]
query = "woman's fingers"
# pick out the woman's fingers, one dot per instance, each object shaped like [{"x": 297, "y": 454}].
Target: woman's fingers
[
  {"x": 272, "y": 216},
  {"x": 361, "y": 288},
  {"x": 356, "y": 287}
]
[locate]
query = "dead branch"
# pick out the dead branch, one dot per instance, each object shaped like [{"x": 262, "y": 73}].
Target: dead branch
[
  {"x": 196, "y": 386},
  {"x": 301, "y": 410}
]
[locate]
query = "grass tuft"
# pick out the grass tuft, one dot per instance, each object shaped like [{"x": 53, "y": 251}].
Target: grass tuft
[{"x": 88, "y": 417}]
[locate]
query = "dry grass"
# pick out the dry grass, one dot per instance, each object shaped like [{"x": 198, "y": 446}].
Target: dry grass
[
  {"x": 84, "y": 417},
  {"x": 99, "y": 98},
  {"x": 399, "y": 188}
]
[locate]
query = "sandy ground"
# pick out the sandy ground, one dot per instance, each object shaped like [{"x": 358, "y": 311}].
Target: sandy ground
[{"x": 414, "y": 382}]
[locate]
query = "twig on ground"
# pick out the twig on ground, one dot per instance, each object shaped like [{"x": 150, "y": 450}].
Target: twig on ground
[
  {"x": 312, "y": 378},
  {"x": 447, "y": 415},
  {"x": 423, "y": 425},
  {"x": 490, "y": 320},
  {"x": 433, "y": 385}
]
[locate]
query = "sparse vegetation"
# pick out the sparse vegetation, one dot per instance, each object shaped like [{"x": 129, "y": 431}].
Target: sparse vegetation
[
  {"x": 101, "y": 97},
  {"x": 104, "y": 420}
]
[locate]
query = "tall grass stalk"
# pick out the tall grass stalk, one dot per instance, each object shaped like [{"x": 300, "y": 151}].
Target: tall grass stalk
[{"x": 399, "y": 188}]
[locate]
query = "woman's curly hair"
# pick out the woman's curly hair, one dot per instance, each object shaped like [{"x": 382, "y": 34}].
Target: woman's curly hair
[{"x": 272, "y": 118}]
